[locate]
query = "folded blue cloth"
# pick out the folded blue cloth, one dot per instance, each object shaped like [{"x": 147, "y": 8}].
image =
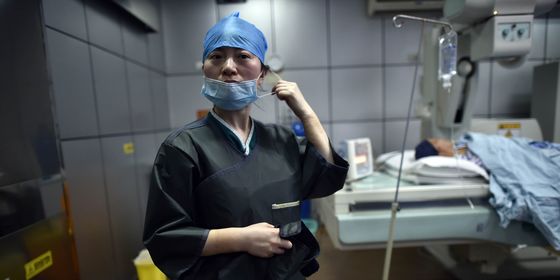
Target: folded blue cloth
[{"x": 524, "y": 181}]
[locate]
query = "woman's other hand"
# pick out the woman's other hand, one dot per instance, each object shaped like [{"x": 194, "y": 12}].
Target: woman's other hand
[{"x": 263, "y": 240}]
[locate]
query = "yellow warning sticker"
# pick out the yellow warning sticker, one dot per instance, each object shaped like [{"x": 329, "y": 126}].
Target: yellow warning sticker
[
  {"x": 509, "y": 126},
  {"x": 509, "y": 129},
  {"x": 128, "y": 148},
  {"x": 38, "y": 264}
]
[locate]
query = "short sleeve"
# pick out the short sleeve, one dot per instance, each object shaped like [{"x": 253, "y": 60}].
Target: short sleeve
[
  {"x": 320, "y": 177},
  {"x": 170, "y": 234}
]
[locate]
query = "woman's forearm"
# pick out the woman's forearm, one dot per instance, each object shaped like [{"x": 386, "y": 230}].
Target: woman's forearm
[
  {"x": 221, "y": 241},
  {"x": 316, "y": 134}
]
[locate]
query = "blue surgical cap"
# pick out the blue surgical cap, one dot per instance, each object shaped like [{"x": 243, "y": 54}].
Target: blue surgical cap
[{"x": 235, "y": 32}]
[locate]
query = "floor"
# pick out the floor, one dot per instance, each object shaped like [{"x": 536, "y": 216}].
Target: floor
[{"x": 407, "y": 263}]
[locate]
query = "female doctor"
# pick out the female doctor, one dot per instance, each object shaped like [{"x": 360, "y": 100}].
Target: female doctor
[{"x": 225, "y": 190}]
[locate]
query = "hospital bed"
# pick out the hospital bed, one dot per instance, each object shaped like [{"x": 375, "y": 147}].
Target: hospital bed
[
  {"x": 440, "y": 218},
  {"x": 450, "y": 212}
]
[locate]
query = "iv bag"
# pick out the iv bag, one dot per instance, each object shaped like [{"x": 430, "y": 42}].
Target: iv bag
[{"x": 447, "y": 58}]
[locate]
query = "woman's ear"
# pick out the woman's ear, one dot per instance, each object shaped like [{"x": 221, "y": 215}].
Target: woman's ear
[{"x": 260, "y": 79}]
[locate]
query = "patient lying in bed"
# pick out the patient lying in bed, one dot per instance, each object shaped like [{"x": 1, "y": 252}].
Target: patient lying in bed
[{"x": 524, "y": 176}]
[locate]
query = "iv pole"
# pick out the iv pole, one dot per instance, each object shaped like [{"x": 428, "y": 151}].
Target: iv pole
[{"x": 398, "y": 22}]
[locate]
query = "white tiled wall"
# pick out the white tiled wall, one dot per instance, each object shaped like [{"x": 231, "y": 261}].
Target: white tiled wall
[
  {"x": 357, "y": 93},
  {"x": 355, "y": 70},
  {"x": 398, "y": 86},
  {"x": 394, "y": 133},
  {"x": 315, "y": 86},
  {"x": 301, "y": 32},
  {"x": 401, "y": 44},
  {"x": 355, "y": 38}
]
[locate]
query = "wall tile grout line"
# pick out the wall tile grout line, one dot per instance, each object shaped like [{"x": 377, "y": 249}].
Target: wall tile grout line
[
  {"x": 122, "y": 56},
  {"x": 99, "y": 142}
]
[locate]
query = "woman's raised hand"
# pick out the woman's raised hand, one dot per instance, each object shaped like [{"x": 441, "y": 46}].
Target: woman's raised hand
[{"x": 289, "y": 92}]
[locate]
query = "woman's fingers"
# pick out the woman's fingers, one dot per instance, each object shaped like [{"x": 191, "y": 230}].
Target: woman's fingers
[
  {"x": 285, "y": 244},
  {"x": 278, "y": 251}
]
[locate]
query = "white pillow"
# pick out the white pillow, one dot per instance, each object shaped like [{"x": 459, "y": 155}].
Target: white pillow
[{"x": 432, "y": 166}]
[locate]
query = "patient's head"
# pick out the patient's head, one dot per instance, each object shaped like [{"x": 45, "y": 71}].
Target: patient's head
[{"x": 434, "y": 147}]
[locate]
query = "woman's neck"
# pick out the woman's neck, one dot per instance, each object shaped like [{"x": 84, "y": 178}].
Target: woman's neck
[{"x": 238, "y": 120}]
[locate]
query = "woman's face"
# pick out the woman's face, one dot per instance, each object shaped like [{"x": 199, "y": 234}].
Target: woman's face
[{"x": 232, "y": 65}]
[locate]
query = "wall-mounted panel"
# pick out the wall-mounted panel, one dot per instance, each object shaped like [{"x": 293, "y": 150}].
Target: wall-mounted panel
[
  {"x": 72, "y": 85},
  {"x": 135, "y": 41},
  {"x": 124, "y": 205},
  {"x": 110, "y": 91},
  {"x": 103, "y": 22},
  {"x": 67, "y": 16},
  {"x": 140, "y": 96},
  {"x": 145, "y": 149},
  {"x": 160, "y": 101},
  {"x": 83, "y": 166},
  {"x": 185, "y": 24},
  {"x": 156, "y": 56}
]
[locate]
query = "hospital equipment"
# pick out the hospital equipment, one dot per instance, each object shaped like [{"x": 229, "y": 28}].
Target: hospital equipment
[
  {"x": 436, "y": 215},
  {"x": 499, "y": 30},
  {"x": 359, "y": 155}
]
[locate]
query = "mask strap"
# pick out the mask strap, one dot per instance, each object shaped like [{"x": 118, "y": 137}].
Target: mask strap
[{"x": 266, "y": 94}]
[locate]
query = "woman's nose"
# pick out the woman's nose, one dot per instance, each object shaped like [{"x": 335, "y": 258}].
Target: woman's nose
[{"x": 229, "y": 67}]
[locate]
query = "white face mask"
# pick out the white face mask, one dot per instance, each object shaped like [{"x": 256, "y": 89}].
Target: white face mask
[{"x": 236, "y": 96}]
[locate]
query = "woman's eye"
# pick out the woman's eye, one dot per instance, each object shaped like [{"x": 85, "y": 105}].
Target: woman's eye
[
  {"x": 215, "y": 56},
  {"x": 244, "y": 56}
]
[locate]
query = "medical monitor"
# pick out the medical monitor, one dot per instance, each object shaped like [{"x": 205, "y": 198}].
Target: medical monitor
[{"x": 360, "y": 158}]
